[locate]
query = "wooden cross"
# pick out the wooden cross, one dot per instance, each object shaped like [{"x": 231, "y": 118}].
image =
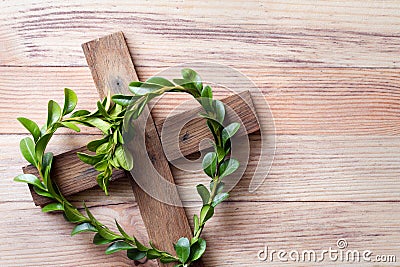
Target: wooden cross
[{"x": 112, "y": 69}]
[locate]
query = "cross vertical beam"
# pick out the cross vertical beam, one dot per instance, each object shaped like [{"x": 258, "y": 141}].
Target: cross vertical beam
[{"x": 112, "y": 69}]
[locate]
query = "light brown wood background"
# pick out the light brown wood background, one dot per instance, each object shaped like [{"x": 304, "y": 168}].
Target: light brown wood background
[{"x": 329, "y": 70}]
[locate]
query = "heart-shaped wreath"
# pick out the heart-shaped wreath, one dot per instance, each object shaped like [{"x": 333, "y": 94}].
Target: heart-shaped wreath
[{"x": 110, "y": 154}]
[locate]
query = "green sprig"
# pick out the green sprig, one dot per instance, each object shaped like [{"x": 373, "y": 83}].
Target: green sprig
[{"x": 109, "y": 155}]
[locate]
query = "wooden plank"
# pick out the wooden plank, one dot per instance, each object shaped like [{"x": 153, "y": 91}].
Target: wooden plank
[
  {"x": 52, "y": 232},
  {"x": 73, "y": 176},
  {"x": 303, "y": 101},
  {"x": 70, "y": 174},
  {"x": 318, "y": 168},
  {"x": 234, "y": 235},
  {"x": 239, "y": 107},
  {"x": 112, "y": 69},
  {"x": 338, "y": 128},
  {"x": 267, "y": 33},
  {"x": 305, "y": 168}
]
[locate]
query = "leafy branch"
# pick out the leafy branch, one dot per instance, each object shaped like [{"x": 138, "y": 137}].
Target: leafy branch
[{"x": 110, "y": 154}]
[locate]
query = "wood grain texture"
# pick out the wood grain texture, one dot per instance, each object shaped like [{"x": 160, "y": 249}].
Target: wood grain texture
[
  {"x": 319, "y": 168},
  {"x": 304, "y": 101},
  {"x": 70, "y": 174},
  {"x": 59, "y": 248},
  {"x": 328, "y": 69},
  {"x": 254, "y": 33},
  {"x": 73, "y": 176},
  {"x": 186, "y": 130},
  {"x": 305, "y": 168},
  {"x": 112, "y": 69},
  {"x": 243, "y": 228}
]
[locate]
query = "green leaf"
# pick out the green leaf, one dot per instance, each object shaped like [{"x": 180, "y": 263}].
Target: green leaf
[
  {"x": 114, "y": 162},
  {"x": 203, "y": 192},
  {"x": 124, "y": 160},
  {"x": 93, "y": 145},
  {"x": 206, "y": 98},
  {"x": 99, "y": 124},
  {"x": 196, "y": 223},
  {"x": 53, "y": 113},
  {"x": 90, "y": 159},
  {"x": 43, "y": 130},
  {"x": 182, "y": 248},
  {"x": 27, "y": 147},
  {"x": 134, "y": 85},
  {"x": 103, "y": 182},
  {"x": 154, "y": 247},
  {"x": 116, "y": 111},
  {"x": 206, "y": 213},
  {"x": 31, "y": 126},
  {"x": 93, "y": 220},
  {"x": 160, "y": 81},
  {"x": 210, "y": 163},
  {"x": 167, "y": 259},
  {"x": 104, "y": 148},
  {"x": 118, "y": 246},
  {"x": 134, "y": 113},
  {"x": 207, "y": 92},
  {"x": 80, "y": 113},
  {"x": 120, "y": 138},
  {"x": 121, "y": 230},
  {"x": 139, "y": 88},
  {"x": 107, "y": 234},
  {"x": 49, "y": 186},
  {"x": 101, "y": 166},
  {"x": 71, "y": 126},
  {"x": 212, "y": 125},
  {"x": 153, "y": 254},
  {"x": 70, "y": 101},
  {"x": 83, "y": 227},
  {"x": 181, "y": 81},
  {"x": 221, "y": 153},
  {"x": 73, "y": 215},
  {"x": 41, "y": 144},
  {"x": 47, "y": 161},
  {"x": 102, "y": 110},
  {"x": 219, "y": 198},
  {"x": 191, "y": 75},
  {"x": 115, "y": 137},
  {"x": 140, "y": 246},
  {"x": 124, "y": 100},
  {"x": 219, "y": 110},
  {"x": 190, "y": 88},
  {"x": 220, "y": 186},
  {"x": 197, "y": 249},
  {"x": 99, "y": 240},
  {"x": 107, "y": 101},
  {"x": 42, "y": 192},
  {"x": 53, "y": 207},
  {"x": 229, "y": 131},
  {"x": 102, "y": 230},
  {"x": 135, "y": 254},
  {"x": 29, "y": 179},
  {"x": 228, "y": 167},
  {"x": 211, "y": 117}
]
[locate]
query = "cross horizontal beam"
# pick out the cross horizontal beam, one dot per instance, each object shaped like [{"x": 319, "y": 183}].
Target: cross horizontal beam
[{"x": 73, "y": 176}]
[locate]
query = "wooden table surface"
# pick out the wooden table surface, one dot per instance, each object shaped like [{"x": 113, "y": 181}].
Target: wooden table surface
[{"x": 330, "y": 71}]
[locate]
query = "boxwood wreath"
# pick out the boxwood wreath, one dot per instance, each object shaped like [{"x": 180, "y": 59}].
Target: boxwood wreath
[{"x": 110, "y": 155}]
